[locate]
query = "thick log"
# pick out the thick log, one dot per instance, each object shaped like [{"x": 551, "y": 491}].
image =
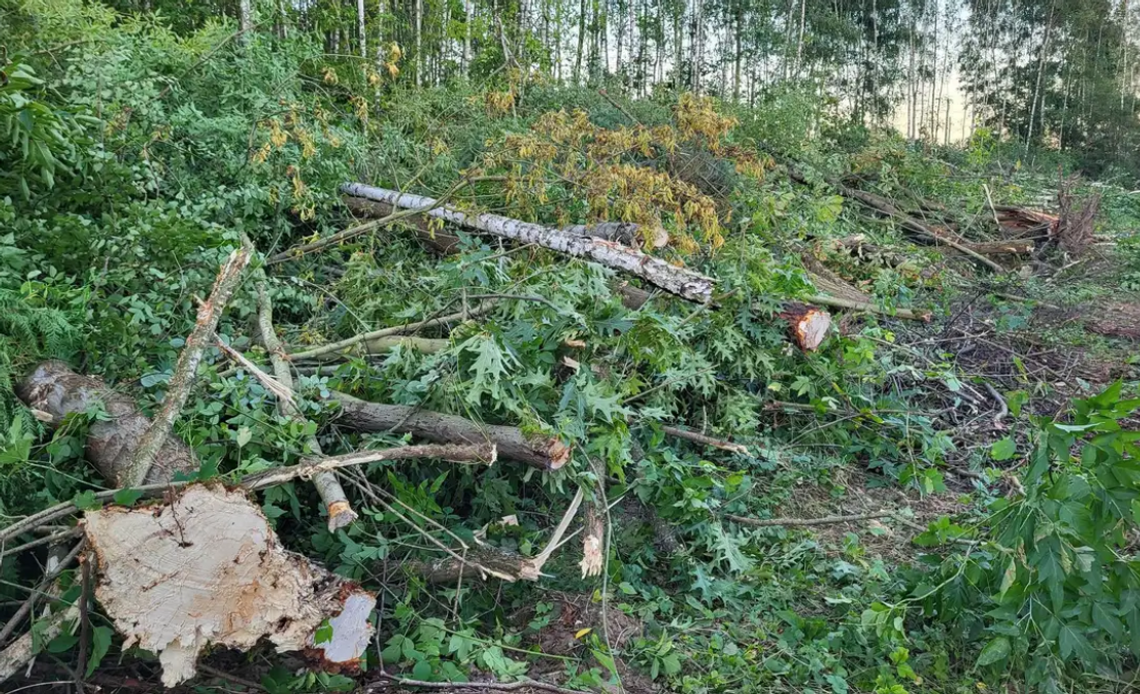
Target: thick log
[
  {"x": 213, "y": 540},
  {"x": 542, "y": 452},
  {"x": 680, "y": 281},
  {"x": 57, "y": 391}
]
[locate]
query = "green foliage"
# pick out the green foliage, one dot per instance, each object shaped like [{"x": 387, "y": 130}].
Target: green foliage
[{"x": 1049, "y": 579}]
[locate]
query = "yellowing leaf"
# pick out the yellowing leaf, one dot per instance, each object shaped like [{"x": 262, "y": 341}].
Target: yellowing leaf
[{"x": 582, "y": 632}]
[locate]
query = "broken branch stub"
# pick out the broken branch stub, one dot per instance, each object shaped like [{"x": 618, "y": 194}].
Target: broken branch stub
[
  {"x": 205, "y": 568},
  {"x": 676, "y": 280}
]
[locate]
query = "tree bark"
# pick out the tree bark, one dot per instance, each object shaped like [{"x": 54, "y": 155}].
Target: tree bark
[
  {"x": 542, "y": 452},
  {"x": 444, "y": 241},
  {"x": 328, "y": 487},
  {"x": 53, "y": 388},
  {"x": 680, "y": 281},
  {"x": 361, "y": 29}
]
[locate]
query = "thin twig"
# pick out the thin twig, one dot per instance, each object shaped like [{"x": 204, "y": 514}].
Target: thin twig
[
  {"x": 474, "y": 686},
  {"x": 386, "y": 332},
  {"x": 804, "y": 522}
]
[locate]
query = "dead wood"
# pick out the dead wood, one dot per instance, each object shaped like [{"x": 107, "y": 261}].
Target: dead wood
[
  {"x": 483, "y": 560},
  {"x": 680, "y": 281},
  {"x": 887, "y": 208},
  {"x": 864, "y": 307},
  {"x": 53, "y": 388},
  {"x": 206, "y": 569},
  {"x": 830, "y": 283},
  {"x": 593, "y": 542},
  {"x": 808, "y": 325},
  {"x": 381, "y": 345},
  {"x": 357, "y": 344},
  {"x": 151, "y": 443},
  {"x": 445, "y": 241},
  {"x": 807, "y": 522},
  {"x": 702, "y": 439},
  {"x": 328, "y": 487},
  {"x": 542, "y": 452}
]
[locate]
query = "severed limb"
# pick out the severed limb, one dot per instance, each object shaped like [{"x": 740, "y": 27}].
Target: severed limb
[{"x": 328, "y": 487}]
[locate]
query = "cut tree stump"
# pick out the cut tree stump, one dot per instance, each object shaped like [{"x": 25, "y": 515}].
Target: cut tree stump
[
  {"x": 683, "y": 282},
  {"x": 542, "y": 452},
  {"x": 808, "y": 324}
]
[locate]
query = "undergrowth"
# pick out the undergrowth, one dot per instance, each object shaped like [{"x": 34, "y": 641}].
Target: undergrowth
[{"x": 153, "y": 151}]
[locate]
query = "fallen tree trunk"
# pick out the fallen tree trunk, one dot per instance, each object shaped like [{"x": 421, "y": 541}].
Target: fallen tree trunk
[
  {"x": 56, "y": 391},
  {"x": 680, "y": 281},
  {"x": 542, "y": 452},
  {"x": 808, "y": 324},
  {"x": 444, "y": 241}
]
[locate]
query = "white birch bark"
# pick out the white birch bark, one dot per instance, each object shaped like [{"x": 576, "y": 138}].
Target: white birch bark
[{"x": 680, "y": 281}]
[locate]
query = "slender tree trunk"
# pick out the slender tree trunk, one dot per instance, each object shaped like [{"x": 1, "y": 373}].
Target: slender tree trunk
[
  {"x": 631, "y": 27},
  {"x": 738, "y": 15},
  {"x": 1040, "y": 75},
  {"x": 360, "y": 29},
  {"x": 800, "y": 40},
  {"x": 419, "y": 42},
  {"x": 581, "y": 42},
  {"x": 245, "y": 7},
  {"x": 469, "y": 8}
]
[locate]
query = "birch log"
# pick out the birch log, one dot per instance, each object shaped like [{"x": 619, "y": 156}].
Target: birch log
[
  {"x": 675, "y": 280},
  {"x": 445, "y": 241}
]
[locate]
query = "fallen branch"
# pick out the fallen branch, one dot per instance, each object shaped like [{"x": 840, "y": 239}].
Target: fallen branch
[
  {"x": 527, "y": 683},
  {"x": 382, "y": 345},
  {"x": 457, "y": 453},
  {"x": 484, "y": 452},
  {"x": 350, "y": 346},
  {"x": 483, "y": 559},
  {"x": 866, "y": 307},
  {"x": 138, "y": 467},
  {"x": 542, "y": 452},
  {"x": 705, "y": 440},
  {"x": 680, "y": 281},
  {"x": 805, "y": 522},
  {"x": 888, "y": 209},
  {"x": 328, "y": 487}
]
